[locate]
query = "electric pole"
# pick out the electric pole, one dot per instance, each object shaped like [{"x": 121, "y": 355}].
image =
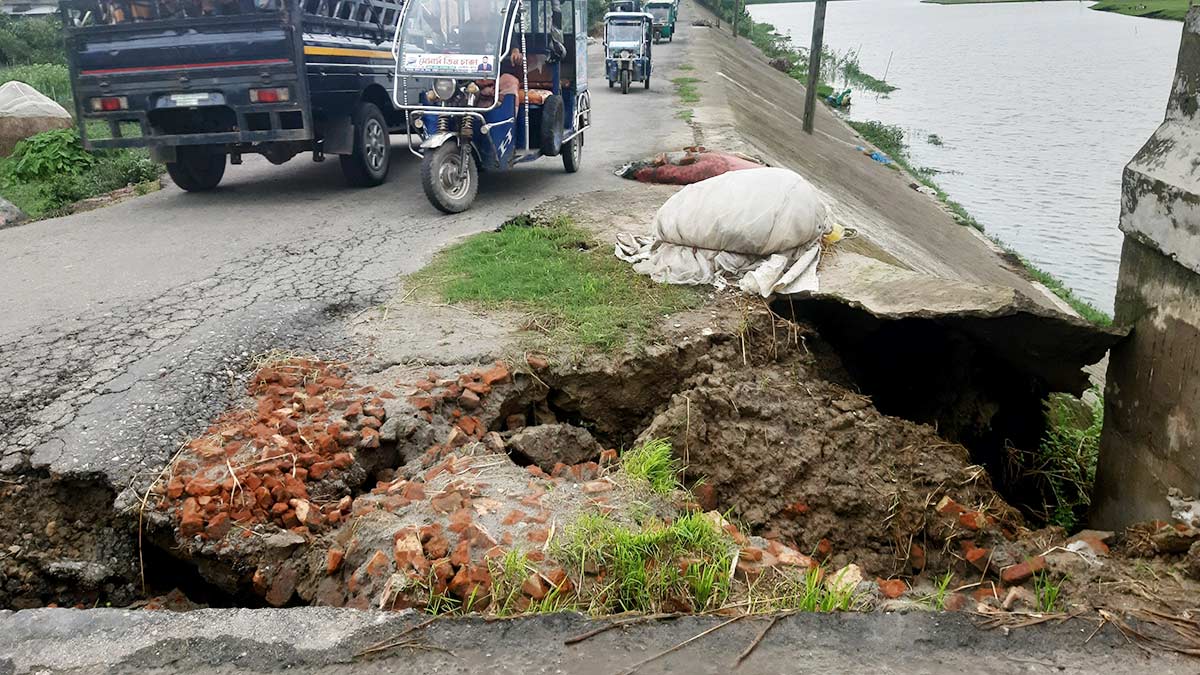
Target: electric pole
[{"x": 814, "y": 65}]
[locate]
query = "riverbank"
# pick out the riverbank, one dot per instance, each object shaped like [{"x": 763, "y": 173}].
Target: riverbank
[{"x": 1173, "y": 10}]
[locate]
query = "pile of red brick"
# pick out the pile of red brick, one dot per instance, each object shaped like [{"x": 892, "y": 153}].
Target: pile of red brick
[{"x": 255, "y": 465}]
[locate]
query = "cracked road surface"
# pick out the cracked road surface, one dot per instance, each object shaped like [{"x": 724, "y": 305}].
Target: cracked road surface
[
  {"x": 324, "y": 640},
  {"x": 124, "y": 330}
]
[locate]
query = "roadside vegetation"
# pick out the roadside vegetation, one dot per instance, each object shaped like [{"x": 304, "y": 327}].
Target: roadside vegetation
[
  {"x": 1174, "y": 10},
  {"x": 1064, "y": 465},
  {"x": 49, "y": 172},
  {"x": 575, "y": 293},
  {"x": 890, "y": 140}
]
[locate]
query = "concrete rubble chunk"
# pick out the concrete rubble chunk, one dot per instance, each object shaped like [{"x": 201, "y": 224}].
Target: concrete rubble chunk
[{"x": 548, "y": 444}]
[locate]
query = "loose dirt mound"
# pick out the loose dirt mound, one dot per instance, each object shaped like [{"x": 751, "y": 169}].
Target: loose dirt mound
[{"x": 798, "y": 457}]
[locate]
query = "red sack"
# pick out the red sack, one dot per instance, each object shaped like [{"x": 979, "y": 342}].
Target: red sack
[{"x": 691, "y": 166}]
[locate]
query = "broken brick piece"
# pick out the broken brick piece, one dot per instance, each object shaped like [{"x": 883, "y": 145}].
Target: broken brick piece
[
  {"x": 973, "y": 520},
  {"x": 424, "y": 403},
  {"x": 980, "y": 558},
  {"x": 1022, "y": 572},
  {"x": 333, "y": 560},
  {"x": 495, "y": 375},
  {"x": 891, "y": 588}
]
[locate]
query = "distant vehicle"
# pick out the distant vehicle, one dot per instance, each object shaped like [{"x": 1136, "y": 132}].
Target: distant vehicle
[
  {"x": 625, "y": 6},
  {"x": 627, "y": 48},
  {"x": 509, "y": 85},
  {"x": 199, "y": 81},
  {"x": 664, "y": 13}
]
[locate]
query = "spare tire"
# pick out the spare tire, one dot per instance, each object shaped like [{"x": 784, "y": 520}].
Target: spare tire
[{"x": 552, "y": 125}]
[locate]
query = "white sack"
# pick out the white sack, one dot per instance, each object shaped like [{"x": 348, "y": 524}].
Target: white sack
[
  {"x": 18, "y": 99},
  {"x": 759, "y": 228}
]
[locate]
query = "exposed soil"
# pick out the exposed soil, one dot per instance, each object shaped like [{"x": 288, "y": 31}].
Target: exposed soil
[{"x": 62, "y": 543}]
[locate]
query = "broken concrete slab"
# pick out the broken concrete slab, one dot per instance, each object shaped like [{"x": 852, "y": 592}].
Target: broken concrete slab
[{"x": 1052, "y": 345}]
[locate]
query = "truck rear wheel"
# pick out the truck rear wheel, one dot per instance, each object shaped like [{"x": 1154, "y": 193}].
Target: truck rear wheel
[
  {"x": 197, "y": 168},
  {"x": 369, "y": 164}
]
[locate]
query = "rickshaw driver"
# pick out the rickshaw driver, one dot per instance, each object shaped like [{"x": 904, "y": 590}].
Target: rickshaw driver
[{"x": 477, "y": 29}]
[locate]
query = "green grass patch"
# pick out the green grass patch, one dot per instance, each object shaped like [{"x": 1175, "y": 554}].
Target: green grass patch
[
  {"x": 649, "y": 567},
  {"x": 686, "y": 66},
  {"x": 1174, "y": 10},
  {"x": 890, "y": 140},
  {"x": 685, "y": 88},
  {"x": 577, "y": 292},
  {"x": 936, "y": 601},
  {"x": 654, "y": 463}
]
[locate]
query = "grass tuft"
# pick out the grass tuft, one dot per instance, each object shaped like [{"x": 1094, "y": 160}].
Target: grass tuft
[
  {"x": 936, "y": 600},
  {"x": 575, "y": 292},
  {"x": 1047, "y": 591},
  {"x": 685, "y": 87},
  {"x": 649, "y": 567},
  {"x": 653, "y": 463}
]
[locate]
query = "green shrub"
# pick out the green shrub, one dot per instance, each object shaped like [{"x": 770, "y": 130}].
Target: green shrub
[
  {"x": 47, "y": 155},
  {"x": 110, "y": 172},
  {"x": 31, "y": 40},
  {"x": 1066, "y": 460},
  {"x": 51, "y": 79}
]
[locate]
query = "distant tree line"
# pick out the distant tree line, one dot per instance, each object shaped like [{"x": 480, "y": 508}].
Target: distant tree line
[{"x": 34, "y": 39}]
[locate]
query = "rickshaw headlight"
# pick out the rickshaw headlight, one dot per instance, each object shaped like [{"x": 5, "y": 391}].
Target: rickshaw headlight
[{"x": 444, "y": 89}]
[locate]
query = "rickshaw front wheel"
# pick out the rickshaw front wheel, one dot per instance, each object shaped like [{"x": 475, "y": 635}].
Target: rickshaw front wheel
[
  {"x": 625, "y": 81},
  {"x": 448, "y": 186}
]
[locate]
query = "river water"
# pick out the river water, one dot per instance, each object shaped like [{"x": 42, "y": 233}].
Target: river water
[{"x": 1039, "y": 106}]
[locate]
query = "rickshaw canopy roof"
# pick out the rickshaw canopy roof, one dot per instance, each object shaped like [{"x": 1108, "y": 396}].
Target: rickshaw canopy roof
[{"x": 628, "y": 16}]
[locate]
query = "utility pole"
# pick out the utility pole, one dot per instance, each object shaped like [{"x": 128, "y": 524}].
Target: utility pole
[
  {"x": 736, "y": 15},
  {"x": 814, "y": 65}
]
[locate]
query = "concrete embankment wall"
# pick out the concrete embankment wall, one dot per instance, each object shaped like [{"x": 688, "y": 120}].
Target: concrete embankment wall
[{"x": 748, "y": 105}]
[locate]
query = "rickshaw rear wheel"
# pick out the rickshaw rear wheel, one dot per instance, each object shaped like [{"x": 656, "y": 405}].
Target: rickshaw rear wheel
[
  {"x": 572, "y": 153},
  {"x": 553, "y": 114},
  {"x": 371, "y": 159},
  {"x": 448, "y": 189},
  {"x": 197, "y": 168}
]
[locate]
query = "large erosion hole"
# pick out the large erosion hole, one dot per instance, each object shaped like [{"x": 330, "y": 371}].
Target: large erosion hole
[{"x": 963, "y": 375}]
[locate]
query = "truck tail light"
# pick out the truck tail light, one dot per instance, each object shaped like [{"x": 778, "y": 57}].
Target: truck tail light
[
  {"x": 273, "y": 95},
  {"x": 110, "y": 103}
]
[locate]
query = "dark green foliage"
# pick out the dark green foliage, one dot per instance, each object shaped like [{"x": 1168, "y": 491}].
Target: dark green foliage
[
  {"x": 47, "y": 155},
  {"x": 31, "y": 40}
]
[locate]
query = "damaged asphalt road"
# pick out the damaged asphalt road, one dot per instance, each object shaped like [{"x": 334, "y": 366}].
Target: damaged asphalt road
[
  {"x": 126, "y": 329},
  {"x": 326, "y": 640}
]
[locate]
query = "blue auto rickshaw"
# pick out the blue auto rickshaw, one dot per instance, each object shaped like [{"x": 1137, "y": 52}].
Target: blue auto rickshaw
[
  {"x": 627, "y": 48},
  {"x": 500, "y": 82}
]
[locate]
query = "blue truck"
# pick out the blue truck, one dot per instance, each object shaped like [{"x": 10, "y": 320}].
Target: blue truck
[{"x": 203, "y": 82}]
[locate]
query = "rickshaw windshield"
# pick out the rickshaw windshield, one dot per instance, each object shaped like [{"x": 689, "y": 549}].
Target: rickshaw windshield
[
  {"x": 660, "y": 12},
  {"x": 625, "y": 33},
  {"x": 454, "y": 37}
]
